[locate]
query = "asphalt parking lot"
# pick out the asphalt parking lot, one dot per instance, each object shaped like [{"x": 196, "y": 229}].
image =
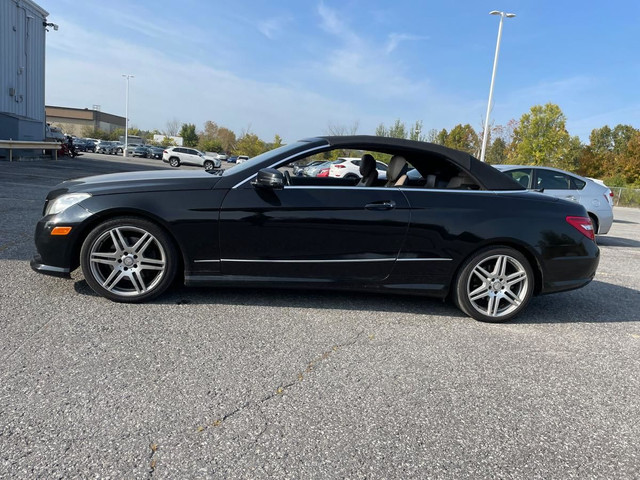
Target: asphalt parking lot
[{"x": 229, "y": 383}]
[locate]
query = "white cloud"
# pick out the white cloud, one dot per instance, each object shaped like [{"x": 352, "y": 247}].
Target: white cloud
[
  {"x": 396, "y": 38},
  {"x": 271, "y": 27}
]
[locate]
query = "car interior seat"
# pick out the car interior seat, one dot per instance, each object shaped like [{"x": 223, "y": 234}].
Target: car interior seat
[
  {"x": 397, "y": 171},
  {"x": 524, "y": 181},
  {"x": 462, "y": 180},
  {"x": 367, "y": 171}
]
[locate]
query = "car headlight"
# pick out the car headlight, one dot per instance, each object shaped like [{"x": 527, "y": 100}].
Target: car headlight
[{"x": 65, "y": 201}]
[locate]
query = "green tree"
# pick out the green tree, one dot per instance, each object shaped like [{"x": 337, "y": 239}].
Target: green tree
[
  {"x": 250, "y": 144},
  {"x": 541, "y": 138},
  {"x": 189, "y": 135},
  {"x": 210, "y": 130},
  {"x": 277, "y": 142},
  {"x": 227, "y": 139},
  {"x": 441, "y": 137},
  {"x": 415, "y": 132},
  {"x": 497, "y": 152},
  {"x": 601, "y": 140},
  {"x": 463, "y": 137},
  {"x": 167, "y": 141},
  {"x": 210, "y": 145}
]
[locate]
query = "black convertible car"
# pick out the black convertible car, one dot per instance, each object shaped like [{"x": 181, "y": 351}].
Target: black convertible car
[{"x": 457, "y": 228}]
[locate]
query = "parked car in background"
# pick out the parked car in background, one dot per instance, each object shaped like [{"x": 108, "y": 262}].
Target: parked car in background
[
  {"x": 232, "y": 159},
  {"x": 118, "y": 148},
  {"x": 313, "y": 170},
  {"x": 176, "y": 156},
  {"x": 597, "y": 199},
  {"x": 131, "y": 148},
  {"x": 155, "y": 152},
  {"x": 141, "y": 151},
  {"x": 242, "y": 159},
  {"x": 298, "y": 169},
  {"x": 105, "y": 147},
  {"x": 347, "y": 167},
  {"x": 222, "y": 157}
]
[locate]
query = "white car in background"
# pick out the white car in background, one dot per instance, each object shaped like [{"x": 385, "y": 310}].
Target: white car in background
[
  {"x": 176, "y": 156},
  {"x": 241, "y": 159},
  {"x": 594, "y": 196},
  {"x": 349, "y": 167}
]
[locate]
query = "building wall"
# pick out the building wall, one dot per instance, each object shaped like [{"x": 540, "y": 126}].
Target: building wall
[
  {"x": 73, "y": 120},
  {"x": 22, "y": 75}
]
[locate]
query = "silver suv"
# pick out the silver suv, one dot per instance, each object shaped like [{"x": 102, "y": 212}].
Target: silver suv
[{"x": 176, "y": 156}]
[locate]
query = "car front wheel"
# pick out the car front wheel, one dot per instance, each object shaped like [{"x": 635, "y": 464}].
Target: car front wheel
[
  {"x": 208, "y": 165},
  {"x": 174, "y": 162},
  {"x": 128, "y": 260},
  {"x": 494, "y": 285}
]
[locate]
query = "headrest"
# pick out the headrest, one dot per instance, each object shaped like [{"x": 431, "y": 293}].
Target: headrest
[
  {"x": 367, "y": 164},
  {"x": 397, "y": 167}
]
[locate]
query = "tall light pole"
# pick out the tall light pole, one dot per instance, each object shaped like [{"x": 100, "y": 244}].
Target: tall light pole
[
  {"x": 485, "y": 136},
  {"x": 126, "y": 117}
]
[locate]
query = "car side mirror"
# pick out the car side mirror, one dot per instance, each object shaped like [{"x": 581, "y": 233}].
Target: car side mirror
[{"x": 269, "y": 178}]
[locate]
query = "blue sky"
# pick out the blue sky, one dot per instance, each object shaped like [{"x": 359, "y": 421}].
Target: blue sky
[{"x": 294, "y": 67}]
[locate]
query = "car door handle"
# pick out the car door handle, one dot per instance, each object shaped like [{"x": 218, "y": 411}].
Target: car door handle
[{"x": 386, "y": 205}]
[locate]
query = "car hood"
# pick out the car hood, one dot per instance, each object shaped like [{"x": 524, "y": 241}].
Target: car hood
[{"x": 145, "y": 181}]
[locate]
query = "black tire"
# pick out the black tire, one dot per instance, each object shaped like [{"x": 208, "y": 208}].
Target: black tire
[
  {"x": 174, "y": 161},
  {"x": 208, "y": 165},
  {"x": 351, "y": 176},
  {"x": 504, "y": 292},
  {"x": 128, "y": 259}
]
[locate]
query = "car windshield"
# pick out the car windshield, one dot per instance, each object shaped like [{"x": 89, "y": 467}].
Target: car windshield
[{"x": 249, "y": 164}]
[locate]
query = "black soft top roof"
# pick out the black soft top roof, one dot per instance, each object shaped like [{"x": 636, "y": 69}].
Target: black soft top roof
[{"x": 486, "y": 175}]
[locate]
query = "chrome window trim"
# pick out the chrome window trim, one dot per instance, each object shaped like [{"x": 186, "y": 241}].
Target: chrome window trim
[
  {"x": 206, "y": 261},
  {"x": 354, "y": 260},
  {"x": 321, "y": 147},
  {"x": 425, "y": 259}
]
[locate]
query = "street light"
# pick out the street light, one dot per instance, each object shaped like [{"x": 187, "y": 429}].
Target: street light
[
  {"x": 126, "y": 117},
  {"x": 485, "y": 136}
]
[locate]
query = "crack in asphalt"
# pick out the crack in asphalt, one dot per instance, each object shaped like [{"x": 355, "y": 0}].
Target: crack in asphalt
[{"x": 282, "y": 388}]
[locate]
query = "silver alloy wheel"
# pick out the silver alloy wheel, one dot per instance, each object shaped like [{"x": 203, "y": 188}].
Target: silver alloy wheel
[
  {"x": 497, "y": 285},
  {"x": 174, "y": 162},
  {"x": 127, "y": 261},
  {"x": 208, "y": 166}
]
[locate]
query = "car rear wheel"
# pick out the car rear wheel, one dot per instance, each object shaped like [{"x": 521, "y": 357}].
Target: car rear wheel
[
  {"x": 594, "y": 221},
  {"x": 128, "y": 260},
  {"x": 494, "y": 285},
  {"x": 174, "y": 162},
  {"x": 208, "y": 165}
]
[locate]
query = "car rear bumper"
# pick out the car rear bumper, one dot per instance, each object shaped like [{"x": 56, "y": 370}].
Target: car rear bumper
[{"x": 570, "y": 272}]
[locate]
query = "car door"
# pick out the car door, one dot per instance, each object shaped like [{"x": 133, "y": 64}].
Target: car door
[
  {"x": 192, "y": 157},
  {"x": 326, "y": 233},
  {"x": 556, "y": 184}
]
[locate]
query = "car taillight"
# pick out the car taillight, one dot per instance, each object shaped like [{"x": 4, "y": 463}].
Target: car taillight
[
  {"x": 165, "y": 151},
  {"x": 339, "y": 166},
  {"x": 323, "y": 173},
  {"x": 583, "y": 225}
]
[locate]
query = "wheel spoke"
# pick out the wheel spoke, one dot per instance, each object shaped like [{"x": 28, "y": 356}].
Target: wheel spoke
[
  {"x": 494, "y": 304},
  {"x": 151, "y": 264},
  {"x": 499, "y": 267},
  {"x": 515, "y": 278},
  {"x": 105, "y": 258},
  {"x": 144, "y": 238},
  {"x": 481, "y": 273},
  {"x": 480, "y": 292},
  {"x": 113, "y": 279},
  {"x": 118, "y": 240},
  {"x": 138, "y": 282},
  {"x": 512, "y": 298}
]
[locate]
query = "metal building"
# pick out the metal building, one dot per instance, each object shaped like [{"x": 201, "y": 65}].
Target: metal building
[{"x": 23, "y": 26}]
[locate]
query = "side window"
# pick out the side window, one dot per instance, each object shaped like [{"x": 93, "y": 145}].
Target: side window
[
  {"x": 577, "y": 184},
  {"x": 178, "y": 150},
  {"x": 191, "y": 151},
  {"x": 522, "y": 176},
  {"x": 550, "y": 180},
  {"x": 381, "y": 166}
]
